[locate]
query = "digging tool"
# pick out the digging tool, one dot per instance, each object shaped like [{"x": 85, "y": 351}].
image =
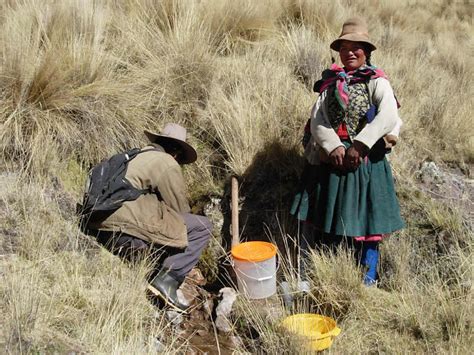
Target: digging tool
[{"x": 235, "y": 211}]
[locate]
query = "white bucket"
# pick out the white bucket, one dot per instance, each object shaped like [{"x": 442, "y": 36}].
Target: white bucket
[{"x": 255, "y": 268}]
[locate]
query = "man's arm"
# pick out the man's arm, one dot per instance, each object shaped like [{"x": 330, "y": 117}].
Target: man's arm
[{"x": 173, "y": 190}]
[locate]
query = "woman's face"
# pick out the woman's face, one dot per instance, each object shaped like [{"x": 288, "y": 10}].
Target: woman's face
[{"x": 352, "y": 54}]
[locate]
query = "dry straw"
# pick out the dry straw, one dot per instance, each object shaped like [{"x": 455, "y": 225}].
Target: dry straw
[{"x": 81, "y": 79}]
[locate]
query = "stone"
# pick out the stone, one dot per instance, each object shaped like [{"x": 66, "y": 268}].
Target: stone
[
  {"x": 174, "y": 317},
  {"x": 430, "y": 172},
  {"x": 224, "y": 309},
  {"x": 213, "y": 210},
  {"x": 159, "y": 346}
]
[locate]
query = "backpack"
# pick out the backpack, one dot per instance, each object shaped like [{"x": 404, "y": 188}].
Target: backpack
[{"x": 107, "y": 188}]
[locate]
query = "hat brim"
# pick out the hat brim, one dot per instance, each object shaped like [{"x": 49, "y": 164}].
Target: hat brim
[
  {"x": 189, "y": 153},
  {"x": 353, "y": 37}
]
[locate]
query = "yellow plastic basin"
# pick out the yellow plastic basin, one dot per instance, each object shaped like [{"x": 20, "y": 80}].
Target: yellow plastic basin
[{"x": 319, "y": 330}]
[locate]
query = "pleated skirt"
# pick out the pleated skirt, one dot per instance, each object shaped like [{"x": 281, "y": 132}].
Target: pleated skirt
[{"x": 350, "y": 203}]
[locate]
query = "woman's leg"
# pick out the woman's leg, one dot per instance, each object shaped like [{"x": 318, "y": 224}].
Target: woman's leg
[{"x": 369, "y": 259}]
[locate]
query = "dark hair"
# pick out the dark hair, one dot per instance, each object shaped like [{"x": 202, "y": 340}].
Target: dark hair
[
  {"x": 172, "y": 148},
  {"x": 368, "y": 54},
  {"x": 367, "y": 61}
]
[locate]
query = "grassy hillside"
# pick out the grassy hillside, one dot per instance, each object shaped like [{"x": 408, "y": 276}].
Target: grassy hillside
[{"x": 81, "y": 79}]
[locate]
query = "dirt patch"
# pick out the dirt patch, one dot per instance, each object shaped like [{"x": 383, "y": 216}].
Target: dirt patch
[
  {"x": 451, "y": 184},
  {"x": 197, "y": 331}
]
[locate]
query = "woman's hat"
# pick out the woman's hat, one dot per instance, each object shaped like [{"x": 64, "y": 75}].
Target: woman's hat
[
  {"x": 355, "y": 30},
  {"x": 174, "y": 133}
]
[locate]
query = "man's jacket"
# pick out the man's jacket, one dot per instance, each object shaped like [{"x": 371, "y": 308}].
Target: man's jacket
[{"x": 153, "y": 217}]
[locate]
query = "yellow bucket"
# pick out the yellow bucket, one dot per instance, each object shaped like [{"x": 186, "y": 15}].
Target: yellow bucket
[{"x": 319, "y": 330}]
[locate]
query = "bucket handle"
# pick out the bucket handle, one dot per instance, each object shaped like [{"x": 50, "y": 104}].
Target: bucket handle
[{"x": 260, "y": 278}]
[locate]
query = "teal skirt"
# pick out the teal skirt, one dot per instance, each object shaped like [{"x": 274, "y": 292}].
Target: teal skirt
[{"x": 352, "y": 203}]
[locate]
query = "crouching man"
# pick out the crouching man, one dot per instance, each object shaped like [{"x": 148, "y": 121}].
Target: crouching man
[{"x": 159, "y": 218}]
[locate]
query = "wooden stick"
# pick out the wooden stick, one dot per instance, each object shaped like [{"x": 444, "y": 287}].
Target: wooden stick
[{"x": 235, "y": 211}]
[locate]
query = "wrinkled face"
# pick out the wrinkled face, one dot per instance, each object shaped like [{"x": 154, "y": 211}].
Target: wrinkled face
[{"x": 352, "y": 54}]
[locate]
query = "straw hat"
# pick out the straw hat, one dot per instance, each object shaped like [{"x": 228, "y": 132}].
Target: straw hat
[
  {"x": 355, "y": 30},
  {"x": 174, "y": 133}
]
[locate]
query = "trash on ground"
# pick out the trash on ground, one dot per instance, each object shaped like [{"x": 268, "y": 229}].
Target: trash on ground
[{"x": 224, "y": 309}]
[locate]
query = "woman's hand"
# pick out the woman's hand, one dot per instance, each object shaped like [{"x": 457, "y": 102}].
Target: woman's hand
[
  {"x": 354, "y": 155},
  {"x": 337, "y": 157}
]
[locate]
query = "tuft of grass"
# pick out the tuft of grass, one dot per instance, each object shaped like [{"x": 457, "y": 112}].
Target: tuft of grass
[
  {"x": 62, "y": 90},
  {"x": 425, "y": 312},
  {"x": 244, "y": 115},
  {"x": 60, "y": 292}
]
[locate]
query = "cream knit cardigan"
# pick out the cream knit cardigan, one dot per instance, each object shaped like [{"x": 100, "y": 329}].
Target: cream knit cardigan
[{"x": 386, "y": 121}]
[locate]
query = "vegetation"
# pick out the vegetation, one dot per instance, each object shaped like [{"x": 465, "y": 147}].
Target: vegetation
[{"x": 81, "y": 79}]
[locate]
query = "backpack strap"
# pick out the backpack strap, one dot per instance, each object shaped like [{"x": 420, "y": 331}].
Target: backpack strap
[{"x": 145, "y": 191}]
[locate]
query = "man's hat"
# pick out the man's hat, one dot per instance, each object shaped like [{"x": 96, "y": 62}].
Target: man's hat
[
  {"x": 355, "y": 30},
  {"x": 174, "y": 133}
]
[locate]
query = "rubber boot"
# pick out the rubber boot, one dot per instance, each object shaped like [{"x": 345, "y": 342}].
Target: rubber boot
[
  {"x": 165, "y": 287},
  {"x": 370, "y": 259}
]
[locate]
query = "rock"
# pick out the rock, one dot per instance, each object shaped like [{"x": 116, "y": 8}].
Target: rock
[
  {"x": 449, "y": 184},
  {"x": 237, "y": 342},
  {"x": 184, "y": 298},
  {"x": 189, "y": 292},
  {"x": 174, "y": 317},
  {"x": 159, "y": 346},
  {"x": 213, "y": 210},
  {"x": 224, "y": 309},
  {"x": 196, "y": 277},
  {"x": 430, "y": 172}
]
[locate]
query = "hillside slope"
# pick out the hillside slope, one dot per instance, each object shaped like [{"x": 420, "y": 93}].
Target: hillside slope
[{"x": 81, "y": 79}]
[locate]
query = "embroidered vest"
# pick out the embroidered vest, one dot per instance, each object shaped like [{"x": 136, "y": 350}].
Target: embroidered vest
[{"x": 355, "y": 115}]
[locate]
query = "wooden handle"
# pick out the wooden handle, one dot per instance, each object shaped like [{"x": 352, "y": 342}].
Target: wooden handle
[{"x": 235, "y": 211}]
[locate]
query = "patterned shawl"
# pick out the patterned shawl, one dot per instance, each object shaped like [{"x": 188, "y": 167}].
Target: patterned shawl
[{"x": 341, "y": 78}]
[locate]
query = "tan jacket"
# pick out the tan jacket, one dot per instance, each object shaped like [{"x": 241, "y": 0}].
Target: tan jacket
[
  {"x": 386, "y": 122},
  {"x": 155, "y": 216}
]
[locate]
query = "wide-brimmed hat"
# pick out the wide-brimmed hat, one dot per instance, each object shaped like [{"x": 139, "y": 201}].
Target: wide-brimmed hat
[
  {"x": 174, "y": 133},
  {"x": 355, "y": 30}
]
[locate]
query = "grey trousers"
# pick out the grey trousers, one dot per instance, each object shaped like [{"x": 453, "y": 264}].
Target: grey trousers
[
  {"x": 199, "y": 230},
  {"x": 179, "y": 262}
]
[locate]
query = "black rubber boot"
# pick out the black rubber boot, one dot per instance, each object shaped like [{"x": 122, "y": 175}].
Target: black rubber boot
[{"x": 165, "y": 286}]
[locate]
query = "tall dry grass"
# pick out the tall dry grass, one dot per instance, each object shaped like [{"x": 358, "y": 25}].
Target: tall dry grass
[
  {"x": 59, "y": 292},
  {"x": 423, "y": 304},
  {"x": 81, "y": 79}
]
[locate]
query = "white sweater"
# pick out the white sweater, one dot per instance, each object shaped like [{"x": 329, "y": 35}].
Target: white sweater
[{"x": 386, "y": 121}]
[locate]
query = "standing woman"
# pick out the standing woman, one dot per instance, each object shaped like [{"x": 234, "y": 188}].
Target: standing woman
[{"x": 353, "y": 123}]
